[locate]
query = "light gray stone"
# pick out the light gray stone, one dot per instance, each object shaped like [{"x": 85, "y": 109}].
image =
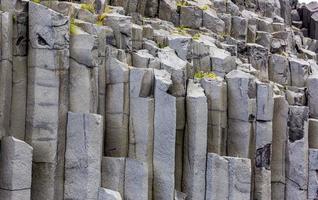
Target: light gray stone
[
  {"x": 239, "y": 28},
  {"x": 299, "y": 71},
  {"x": 222, "y": 61},
  {"x": 136, "y": 180},
  {"x": 15, "y": 195},
  {"x": 280, "y": 131},
  {"x": 239, "y": 178},
  {"x": 258, "y": 57},
  {"x": 264, "y": 102},
  {"x": 107, "y": 194},
  {"x": 212, "y": 22},
  {"x": 191, "y": 16},
  {"x": 312, "y": 174},
  {"x": 15, "y": 164},
  {"x": 297, "y": 153},
  {"x": 312, "y": 88},
  {"x": 84, "y": 141},
  {"x": 278, "y": 69},
  {"x": 217, "y": 178},
  {"x": 164, "y": 138},
  {"x": 195, "y": 144},
  {"x": 113, "y": 173}
]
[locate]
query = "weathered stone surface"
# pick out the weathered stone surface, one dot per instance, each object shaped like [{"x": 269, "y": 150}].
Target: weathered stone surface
[
  {"x": 15, "y": 195},
  {"x": 195, "y": 147},
  {"x": 217, "y": 178},
  {"x": 222, "y": 61},
  {"x": 216, "y": 93},
  {"x": 177, "y": 68},
  {"x": 239, "y": 28},
  {"x": 312, "y": 174},
  {"x": 299, "y": 71},
  {"x": 212, "y": 22},
  {"x": 191, "y": 16},
  {"x": 278, "y": 69},
  {"x": 312, "y": 87},
  {"x": 164, "y": 138},
  {"x": 239, "y": 178},
  {"x": 136, "y": 180},
  {"x": 5, "y": 72},
  {"x": 258, "y": 57},
  {"x": 107, "y": 194},
  {"x": 83, "y": 156},
  {"x": 280, "y": 131},
  {"x": 264, "y": 102},
  {"x": 15, "y": 165},
  {"x": 297, "y": 153},
  {"x": 113, "y": 173},
  {"x": 312, "y": 133}
]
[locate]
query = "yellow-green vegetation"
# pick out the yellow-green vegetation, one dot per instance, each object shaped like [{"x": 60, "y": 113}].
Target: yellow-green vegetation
[
  {"x": 101, "y": 17},
  {"x": 182, "y": 30},
  {"x": 224, "y": 34},
  {"x": 205, "y": 7},
  {"x": 36, "y": 1},
  {"x": 182, "y": 3},
  {"x": 89, "y": 7},
  {"x": 201, "y": 75},
  {"x": 196, "y": 36},
  {"x": 73, "y": 27},
  {"x": 161, "y": 45}
]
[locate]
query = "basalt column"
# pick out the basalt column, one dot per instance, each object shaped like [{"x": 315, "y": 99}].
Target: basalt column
[{"x": 47, "y": 98}]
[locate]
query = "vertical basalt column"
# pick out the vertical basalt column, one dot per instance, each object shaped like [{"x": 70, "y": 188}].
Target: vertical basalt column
[
  {"x": 164, "y": 137},
  {"x": 216, "y": 93},
  {"x": 217, "y": 178},
  {"x": 83, "y": 155},
  {"x": 117, "y": 108},
  {"x": 47, "y": 100},
  {"x": 263, "y": 141},
  {"x": 141, "y": 119},
  {"x": 113, "y": 173},
  {"x": 240, "y": 173},
  {"x": 83, "y": 73},
  {"x": 15, "y": 169},
  {"x": 280, "y": 131},
  {"x": 195, "y": 143},
  {"x": 241, "y": 112},
  {"x": 5, "y": 71},
  {"x": 312, "y": 174},
  {"x": 19, "y": 71},
  {"x": 297, "y": 153}
]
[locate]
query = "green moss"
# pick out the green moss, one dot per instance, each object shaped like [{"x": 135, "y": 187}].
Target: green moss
[
  {"x": 196, "y": 36},
  {"x": 205, "y": 7},
  {"x": 182, "y": 30},
  {"x": 102, "y": 17},
  {"x": 182, "y": 3},
  {"x": 161, "y": 45},
  {"x": 73, "y": 27},
  {"x": 201, "y": 75},
  {"x": 36, "y": 1},
  {"x": 89, "y": 7}
]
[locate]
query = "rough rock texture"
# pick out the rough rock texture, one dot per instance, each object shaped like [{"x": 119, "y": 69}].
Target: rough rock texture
[{"x": 158, "y": 99}]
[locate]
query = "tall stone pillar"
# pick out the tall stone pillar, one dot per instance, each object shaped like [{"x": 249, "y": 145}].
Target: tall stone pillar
[
  {"x": 297, "y": 153},
  {"x": 83, "y": 156},
  {"x": 195, "y": 144},
  {"x": 47, "y": 102},
  {"x": 164, "y": 137},
  {"x": 15, "y": 169}
]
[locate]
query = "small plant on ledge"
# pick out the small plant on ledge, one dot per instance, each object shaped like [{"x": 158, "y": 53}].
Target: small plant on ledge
[{"x": 201, "y": 75}]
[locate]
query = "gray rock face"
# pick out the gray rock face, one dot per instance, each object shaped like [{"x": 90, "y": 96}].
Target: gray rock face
[
  {"x": 297, "y": 150},
  {"x": 216, "y": 93},
  {"x": 258, "y": 57},
  {"x": 279, "y": 70},
  {"x": 113, "y": 173},
  {"x": 191, "y": 16},
  {"x": 312, "y": 176},
  {"x": 239, "y": 178},
  {"x": 15, "y": 169},
  {"x": 217, "y": 178},
  {"x": 48, "y": 57},
  {"x": 194, "y": 165},
  {"x": 164, "y": 138},
  {"x": 136, "y": 180},
  {"x": 312, "y": 133},
  {"x": 278, "y": 163},
  {"x": 299, "y": 71},
  {"x": 312, "y": 87},
  {"x": 83, "y": 156},
  {"x": 106, "y": 194}
]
